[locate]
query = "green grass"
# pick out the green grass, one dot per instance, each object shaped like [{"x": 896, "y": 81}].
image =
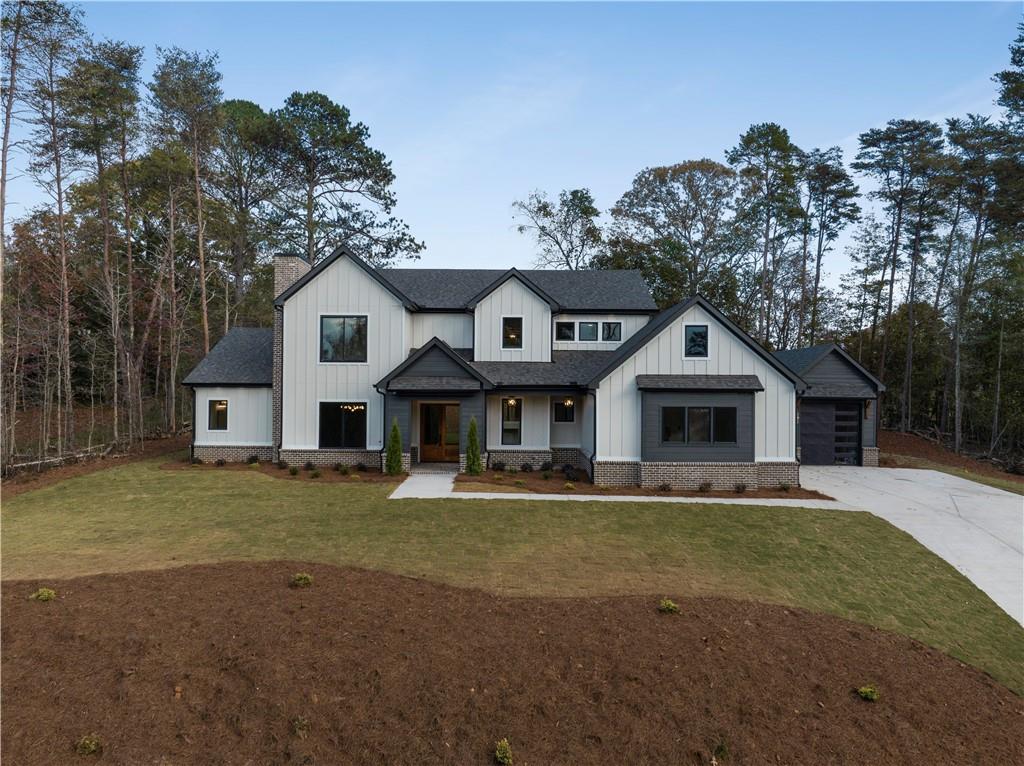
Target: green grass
[
  {"x": 140, "y": 516},
  {"x": 905, "y": 461}
]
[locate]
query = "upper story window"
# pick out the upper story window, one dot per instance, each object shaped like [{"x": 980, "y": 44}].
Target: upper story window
[
  {"x": 343, "y": 338},
  {"x": 565, "y": 331},
  {"x": 588, "y": 330},
  {"x": 564, "y": 411},
  {"x": 695, "y": 341},
  {"x": 511, "y": 332},
  {"x": 611, "y": 331},
  {"x": 218, "y": 415}
]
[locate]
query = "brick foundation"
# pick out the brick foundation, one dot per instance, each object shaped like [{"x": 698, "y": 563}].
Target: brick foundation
[
  {"x": 775, "y": 474},
  {"x": 691, "y": 475},
  {"x": 229, "y": 454},
  {"x": 869, "y": 456},
  {"x": 515, "y": 458},
  {"x": 328, "y": 457},
  {"x": 616, "y": 474}
]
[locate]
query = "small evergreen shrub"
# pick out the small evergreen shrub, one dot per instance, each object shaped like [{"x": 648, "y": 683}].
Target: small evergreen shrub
[
  {"x": 740, "y": 488},
  {"x": 498, "y": 465},
  {"x": 721, "y": 751},
  {"x": 568, "y": 485},
  {"x": 474, "y": 465},
  {"x": 219, "y": 462},
  {"x": 355, "y": 477},
  {"x": 511, "y": 470},
  {"x": 668, "y": 606},
  {"x": 568, "y": 468},
  {"x": 293, "y": 471},
  {"x": 301, "y": 580},
  {"x": 89, "y": 745},
  {"x": 253, "y": 460},
  {"x": 307, "y": 466},
  {"x": 503, "y": 752},
  {"x": 361, "y": 467},
  {"x": 785, "y": 486},
  {"x": 342, "y": 469},
  {"x": 499, "y": 476},
  {"x": 546, "y": 474},
  {"x": 520, "y": 483},
  {"x": 282, "y": 464},
  {"x": 546, "y": 465},
  {"x": 705, "y": 486},
  {"x": 315, "y": 474},
  {"x": 526, "y": 468},
  {"x": 868, "y": 693},
  {"x": 44, "y": 594},
  {"x": 197, "y": 461},
  {"x": 393, "y": 455},
  {"x": 664, "y": 487},
  {"x": 571, "y": 475}
]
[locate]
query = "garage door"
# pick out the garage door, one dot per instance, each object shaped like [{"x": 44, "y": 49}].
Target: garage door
[{"x": 829, "y": 432}]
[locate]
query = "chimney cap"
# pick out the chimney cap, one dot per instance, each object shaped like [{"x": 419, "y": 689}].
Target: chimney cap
[{"x": 300, "y": 256}]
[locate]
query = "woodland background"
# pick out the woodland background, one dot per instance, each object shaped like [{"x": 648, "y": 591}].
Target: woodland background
[{"x": 167, "y": 200}]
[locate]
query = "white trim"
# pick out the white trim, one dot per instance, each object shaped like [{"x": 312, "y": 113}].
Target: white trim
[
  {"x": 366, "y": 432},
  {"x": 501, "y": 419},
  {"x": 234, "y": 444},
  {"x": 522, "y": 332},
  {"x": 615, "y": 459},
  {"x": 707, "y": 329},
  {"x": 227, "y": 428},
  {"x": 319, "y": 340}
]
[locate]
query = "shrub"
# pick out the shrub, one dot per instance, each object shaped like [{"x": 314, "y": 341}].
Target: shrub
[
  {"x": 355, "y": 477},
  {"x": 503, "y": 752},
  {"x": 571, "y": 475},
  {"x": 393, "y": 452},
  {"x": 668, "y": 606},
  {"x": 705, "y": 486},
  {"x": 740, "y": 488},
  {"x": 526, "y": 468},
  {"x": 361, "y": 467},
  {"x": 307, "y": 466},
  {"x": 474, "y": 466},
  {"x": 301, "y": 726},
  {"x": 498, "y": 465},
  {"x": 44, "y": 594},
  {"x": 546, "y": 474},
  {"x": 568, "y": 468},
  {"x": 785, "y": 486},
  {"x": 197, "y": 461},
  {"x": 568, "y": 485},
  {"x": 499, "y": 476},
  {"x": 546, "y": 465},
  {"x": 219, "y": 462},
  {"x": 282, "y": 464},
  {"x": 342, "y": 469},
  {"x": 315, "y": 474},
  {"x": 301, "y": 580},
  {"x": 664, "y": 487},
  {"x": 293, "y": 471},
  {"x": 868, "y": 693},
  {"x": 89, "y": 745},
  {"x": 511, "y": 470},
  {"x": 520, "y": 483},
  {"x": 253, "y": 460}
]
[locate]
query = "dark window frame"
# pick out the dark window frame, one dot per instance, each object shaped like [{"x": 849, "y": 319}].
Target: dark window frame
[
  {"x": 504, "y": 345},
  {"x": 570, "y": 409},
  {"x": 365, "y": 430},
  {"x": 661, "y": 424},
  {"x": 712, "y": 417},
  {"x": 686, "y": 341},
  {"x": 366, "y": 338},
  {"x": 735, "y": 425},
  {"x": 572, "y": 328},
  {"x": 604, "y": 332},
  {"x": 519, "y": 432},
  {"x": 597, "y": 335},
  {"x": 210, "y": 414}
]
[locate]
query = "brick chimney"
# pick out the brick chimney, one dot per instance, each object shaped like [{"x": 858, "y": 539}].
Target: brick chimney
[{"x": 288, "y": 268}]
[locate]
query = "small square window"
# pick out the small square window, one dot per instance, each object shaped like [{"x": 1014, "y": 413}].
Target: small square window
[
  {"x": 218, "y": 420},
  {"x": 611, "y": 331},
  {"x": 512, "y": 332},
  {"x": 565, "y": 411},
  {"x": 588, "y": 330},
  {"x": 695, "y": 341},
  {"x": 565, "y": 331},
  {"x": 673, "y": 424}
]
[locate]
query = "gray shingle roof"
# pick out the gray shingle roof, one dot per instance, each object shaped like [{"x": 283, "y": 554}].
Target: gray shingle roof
[
  {"x": 573, "y": 290},
  {"x": 799, "y": 359},
  {"x": 699, "y": 382},
  {"x": 243, "y": 357},
  {"x": 566, "y": 368}
]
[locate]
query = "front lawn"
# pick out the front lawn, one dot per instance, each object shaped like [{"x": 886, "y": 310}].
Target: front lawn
[{"x": 142, "y": 516}]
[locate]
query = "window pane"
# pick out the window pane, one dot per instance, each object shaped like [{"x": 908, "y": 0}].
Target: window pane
[
  {"x": 343, "y": 339},
  {"x": 512, "y": 332},
  {"x": 511, "y": 421},
  {"x": 696, "y": 340},
  {"x": 588, "y": 330},
  {"x": 698, "y": 424},
  {"x": 725, "y": 424},
  {"x": 672, "y": 420},
  {"x": 342, "y": 425},
  {"x": 565, "y": 331},
  {"x": 218, "y": 420},
  {"x": 611, "y": 331},
  {"x": 565, "y": 411}
]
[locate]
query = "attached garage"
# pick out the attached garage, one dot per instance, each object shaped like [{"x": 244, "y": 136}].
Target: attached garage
[{"x": 837, "y": 413}]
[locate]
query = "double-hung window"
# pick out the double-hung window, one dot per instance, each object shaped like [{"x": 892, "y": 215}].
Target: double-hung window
[
  {"x": 343, "y": 338},
  {"x": 218, "y": 415},
  {"x": 698, "y": 425}
]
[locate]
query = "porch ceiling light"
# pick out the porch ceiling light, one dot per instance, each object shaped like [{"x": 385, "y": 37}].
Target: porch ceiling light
[{"x": 568, "y": 403}]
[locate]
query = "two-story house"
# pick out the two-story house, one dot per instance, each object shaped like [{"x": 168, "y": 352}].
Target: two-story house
[{"x": 555, "y": 366}]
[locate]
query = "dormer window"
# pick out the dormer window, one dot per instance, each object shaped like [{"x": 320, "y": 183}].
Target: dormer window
[{"x": 512, "y": 332}]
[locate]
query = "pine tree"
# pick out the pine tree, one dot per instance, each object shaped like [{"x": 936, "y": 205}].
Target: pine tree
[
  {"x": 473, "y": 464},
  {"x": 393, "y": 458}
]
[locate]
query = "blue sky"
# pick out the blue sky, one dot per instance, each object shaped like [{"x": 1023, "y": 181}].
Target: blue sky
[{"x": 478, "y": 104}]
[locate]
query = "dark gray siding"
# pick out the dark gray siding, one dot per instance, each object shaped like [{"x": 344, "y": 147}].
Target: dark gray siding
[
  {"x": 436, "y": 363},
  {"x": 833, "y": 370},
  {"x": 868, "y": 432},
  {"x": 470, "y": 407},
  {"x": 652, "y": 449},
  {"x": 400, "y": 407},
  {"x": 397, "y": 407}
]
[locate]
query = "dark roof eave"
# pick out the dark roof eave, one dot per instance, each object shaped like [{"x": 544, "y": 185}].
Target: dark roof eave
[
  {"x": 339, "y": 251},
  {"x": 510, "y": 274}
]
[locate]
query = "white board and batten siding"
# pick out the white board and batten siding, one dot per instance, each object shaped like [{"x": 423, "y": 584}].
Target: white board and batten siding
[
  {"x": 513, "y": 299},
  {"x": 631, "y": 323},
  {"x": 250, "y": 413},
  {"x": 618, "y": 400},
  {"x": 454, "y": 329},
  {"x": 536, "y": 425},
  {"x": 343, "y": 288}
]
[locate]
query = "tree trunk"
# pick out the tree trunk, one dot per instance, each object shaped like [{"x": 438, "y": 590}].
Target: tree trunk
[
  {"x": 894, "y": 250},
  {"x": 908, "y": 364},
  {"x": 200, "y": 234},
  {"x": 999, "y": 375},
  {"x": 112, "y": 299}
]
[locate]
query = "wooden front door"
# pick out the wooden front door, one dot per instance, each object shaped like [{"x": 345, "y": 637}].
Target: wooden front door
[{"x": 439, "y": 433}]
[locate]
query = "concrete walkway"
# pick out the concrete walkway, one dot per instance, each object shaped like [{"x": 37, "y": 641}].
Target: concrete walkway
[{"x": 976, "y": 528}]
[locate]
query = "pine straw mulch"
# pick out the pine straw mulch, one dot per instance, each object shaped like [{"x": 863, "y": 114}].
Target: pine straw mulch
[
  {"x": 328, "y": 475},
  {"x": 226, "y": 664}
]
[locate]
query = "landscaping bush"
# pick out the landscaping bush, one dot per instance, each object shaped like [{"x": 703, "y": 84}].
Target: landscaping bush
[
  {"x": 499, "y": 476},
  {"x": 498, "y": 465},
  {"x": 474, "y": 466},
  {"x": 664, "y": 487},
  {"x": 253, "y": 460},
  {"x": 568, "y": 485},
  {"x": 546, "y": 474},
  {"x": 393, "y": 454},
  {"x": 520, "y": 483},
  {"x": 668, "y": 606},
  {"x": 197, "y": 461},
  {"x": 503, "y": 752},
  {"x": 282, "y": 464},
  {"x": 785, "y": 486},
  {"x": 307, "y": 466},
  {"x": 526, "y": 468},
  {"x": 547, "y": 465},
  {"x": 301, "y": 580},
  {"x": 355, "y": 477},
  {"x": 315, "y": 474},
  {"x": 571, "y": 475},
  {"x": 705, "y": 486},
  {"x": 868, "y": 693},
  {"x": 219, "y": 462},
  {"x": 511, "y": 470},
  {"x": 568, "y": 468},
  {"x": 89, "y": 745},
  {"x": 740, "y": 488},
  {"x": 342, "y": 469},
  {"x": 44, "y": 594},
  {"x": 361, "y": 467},
  {"x": 293, "y": 471}
]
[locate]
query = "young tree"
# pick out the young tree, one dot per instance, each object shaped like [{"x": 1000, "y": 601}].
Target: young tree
[
  {"x": 335, "y": 189},
  {"x": 565, "y": 232},
  {"x": 186, "y": 94},
  {"x": 473, "y": 462},
  {"x": 393, "y": 456}
]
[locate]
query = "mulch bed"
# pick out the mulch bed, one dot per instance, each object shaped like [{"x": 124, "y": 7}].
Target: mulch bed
[
  {"x": 327, "y": 474},
  {"x": 535, "y": 482},
  {"x": 226, "y": 664},
  {"x": 31, "y": 480},
  {"x": 894, "y": 444}
]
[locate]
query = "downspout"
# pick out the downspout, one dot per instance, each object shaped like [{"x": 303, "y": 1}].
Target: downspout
[
  {"x": 280, "y": 384},
  {"x": 593, "y": 452},
  {"x": 192, "y": 442}
]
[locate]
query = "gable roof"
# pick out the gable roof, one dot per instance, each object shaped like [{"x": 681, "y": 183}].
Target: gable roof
[
  {"x": 415, "y": 356},
  {"x": 243, "y": 357},
  {"x": 512, "y": 273},
  {"x": 341, "y": 251},
  {"x": 640, "y": 339},
  {"x": 803, "y": 360}
]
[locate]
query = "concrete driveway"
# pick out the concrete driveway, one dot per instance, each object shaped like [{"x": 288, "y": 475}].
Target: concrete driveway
[{"x": 977, "y": 529}]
